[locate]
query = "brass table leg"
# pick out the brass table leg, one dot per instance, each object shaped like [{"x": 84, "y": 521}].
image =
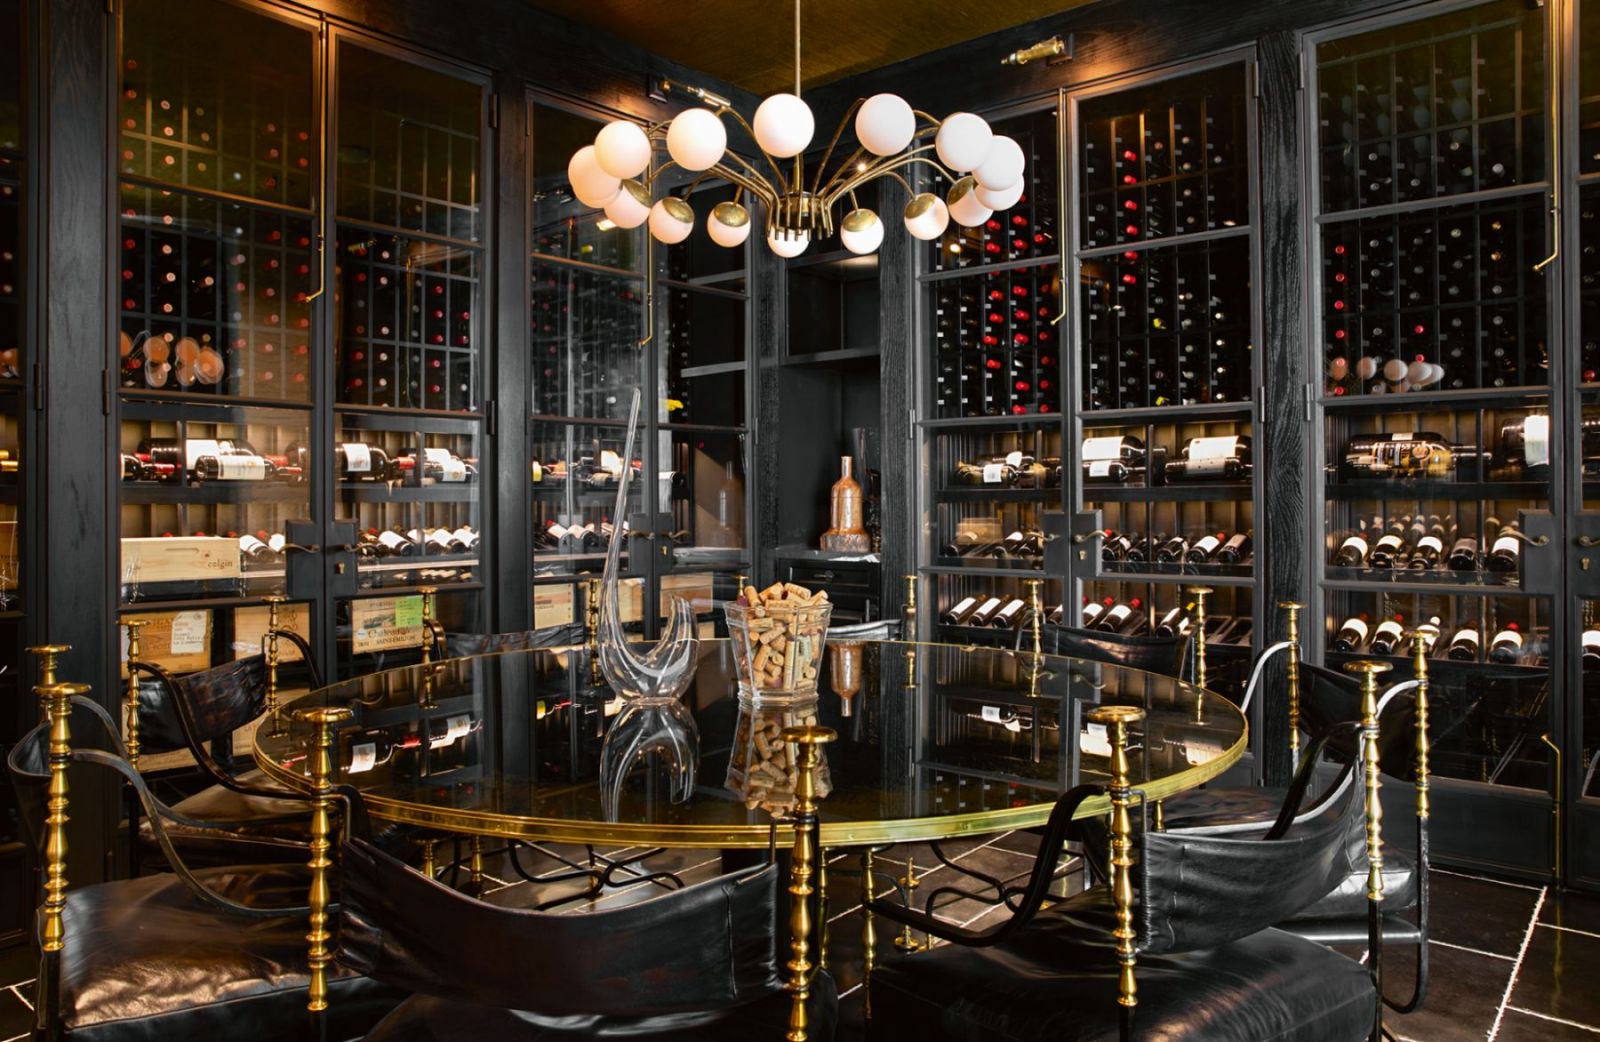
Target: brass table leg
[
  {"x": 906, "y": 942},
  {"x": 475, "y": 866},
  {"x": 822, "y": 909},
  {"x": 428, "y": 868},
  {"x": 869, "y": 933}
]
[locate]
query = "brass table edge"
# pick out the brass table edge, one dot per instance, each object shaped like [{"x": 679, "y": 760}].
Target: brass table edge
[{"x": 755, "y": 834}]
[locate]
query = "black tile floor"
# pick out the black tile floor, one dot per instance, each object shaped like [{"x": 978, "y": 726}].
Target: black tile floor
[{"x": 1509, "y": 961}]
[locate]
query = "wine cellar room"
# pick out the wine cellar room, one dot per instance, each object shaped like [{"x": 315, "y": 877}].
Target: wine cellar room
[{"x": 304, "y": 324}]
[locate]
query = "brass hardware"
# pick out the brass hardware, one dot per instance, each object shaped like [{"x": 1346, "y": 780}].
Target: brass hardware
[
  {"x": 808, "y": 758},
  {"x": 269, "y": 648},
  {"x": 1583, "y": 564},
  {"x": 1116, "y": 720},
  {"x": 338, "y": 568},
  {"x": 1200, "y": 593},
  {"x": 591, "y": 623},
  {"x": 1369, "y": 672},
  {"x": 1079, "y": 538},
  {"x": 911, "y": 603},
  {"x": 715, "y": 101},
  {"x": 1292, "y": 671},
  {"x": 428, "y": 845},
  {"x": 49, "y": 659},
  {"x": 1062, "y": 134},
  {"x": 1055, "y": 47},
  {"x": 1420, "y": 670},
  {"x": 1036, "y": 606},
  {"x": 1553, "y": 30},
  {"x": 822, "y": 910},
  {"x": 869, "y": 933},
  {"x": 58, "y": 708},
  {"x": 1587, "y": 541},
  {"x": 475, "y": 865},
  {"x": 1542, "y": 540},
  {"x": 740, "y": 581},
  {"x": 1555, "y": 811},
  {"x": 906, "y": 942},
  {"x": 130, "y": 723},
  {"x": 314, "y": 548},
  {"x": 1159, "y": 816},
  {"x": 429, "y": 623},
  {"x": 324, "y": 719}
]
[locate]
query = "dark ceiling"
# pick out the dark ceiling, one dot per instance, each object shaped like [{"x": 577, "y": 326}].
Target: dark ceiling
[{"x": 750, "y": 43}]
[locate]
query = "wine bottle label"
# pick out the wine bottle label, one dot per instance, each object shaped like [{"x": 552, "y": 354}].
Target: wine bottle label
[
  {"x": 1197, "y": 468},
  {"x": 451, "y": 467},
  {"x": 1430, "y": 542},
  {"x": 466, "y": 536},
  {"x": 1356, "y": 543},
  {"x": 363, "y": 757},
  {"x": 1103, "y": 448},
  {"x": 555, "y": 531},
  {"x": 994, "y": 473},
  {"x": 990, "y": 714},
  {"x": 1591, "y": 641},
  {"x": 1507, "y": 638},
  {"x": 988, "y": 608},
  {"x": 357, "y": 457},
  {"x": 1100, "y": 469},
  {"x": 1509, "y": 543},
  {"x": 1389, "y": 628},
  {"x": 1119, "y": 614},
  {"x": 1536, "y": 441},
  {"x": 1466, "y": 637},
  {"x": 1391, "y": 542},
  {"x": 454, "y": 727},
  {"x": 393, "y": 540},
  {"x": 1205, "y": 545},
  {"x": 1014, "y": 458},
  {"x": 442, "y": 539},
  {"x": 249, "y": 544},
  {"x": 241, "y": 468},
  {"x": 1402, "y": 436},
  {"x": 1357, "y": 627},
  {"x": 194, "y": 448},
  {"x": 1215, "y": 448},
  {"x": 277, "y": 542}
]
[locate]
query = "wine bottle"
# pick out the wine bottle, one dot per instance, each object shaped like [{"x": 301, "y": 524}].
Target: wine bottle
[
  {"x": 1386, "y": 638},
  {"x": 1426, "y": 552},
  {"x": 1224, "y": 458},
  {"x": 1237, "y": 549},
  {"x": 1010, "y": 616},
  {"x": 1139, "y": 550},
  {"x": 1388, "y": 551},
  {"x": 1352, "y": 553},
  {"x": 444, "y": 541},
  {"x": 1092, "y": 610},
  {"x": 1119, "y": 618},
  {"x": 1430, "y": 633},
  {"x": 358, "y": 461},
  {"x": 1464, "y": 645},
  {"x": 1506, "y": 647},
  {"x": 1591, "y": 649},
  {"x": 985, "y": 612},
  {"x": 1016, "y": 544},
  {"x": 1505, "y": 553},
  {"x": 1057, "y": 613},
  {"x": 1112, "y": 459},
  {"x": 1202, "y": 549},
  {"x": 254, "y": 549},
  {"x": 1351, "y": 635},
  {"x": 1464, "y": 555},
  {"x": 549, "y": 537},
  {"x": 1409, "y": 454},
  {"x": 1001, "y": 472},
  {"x": 467, "y": 538},
  {"x": 1526, "y": 444},
  {"x": 395, "y": 544},
  {"x": 232, "y": 467},
  {"x": 1114, "y": 547},
  {"x": 1172, "y": 551},
  {"x": 962, "y": 610},
  {"x": 1177, "y": 621}
]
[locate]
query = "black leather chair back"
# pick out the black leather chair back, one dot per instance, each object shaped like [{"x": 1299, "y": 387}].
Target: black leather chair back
[
  {"x": 215, "y": 703},
  {"x": 1199, "y": 891},
  {"x": 705, "y": 947},
  {"x": 1165, "y": 655},
  {"x": 459, "y": 645}
]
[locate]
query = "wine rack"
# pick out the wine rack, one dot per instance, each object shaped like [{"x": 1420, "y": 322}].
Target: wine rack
[
  {"x": 1434, "y": 368},
  {"x": 1163, "y": 256}
]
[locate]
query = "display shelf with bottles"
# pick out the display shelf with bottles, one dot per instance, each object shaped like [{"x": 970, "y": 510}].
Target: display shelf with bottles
[
  {"x": 575, "y": 470},
  {"x": 990, "y": 609},
  {"x": 1434, "y": 376},
  {"x": 992, "y": 485},
  {"x": 1141, "y": 607}
]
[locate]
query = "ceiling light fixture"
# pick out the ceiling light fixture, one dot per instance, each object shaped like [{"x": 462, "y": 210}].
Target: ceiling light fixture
[{"x": 617, "y": 174}]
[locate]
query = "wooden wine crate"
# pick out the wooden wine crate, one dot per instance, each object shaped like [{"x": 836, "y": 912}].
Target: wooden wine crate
[
  {"x": 179, "y": 559},
  {"x": 250, "y": 626},
  {"x": 177, "y": 641}
]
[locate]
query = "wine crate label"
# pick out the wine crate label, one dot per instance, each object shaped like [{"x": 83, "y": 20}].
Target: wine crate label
[
  {"x": 385, "y": 624},
  {"x": 179, "y": 558},
  {"x": 177, "y": 641},
  {"x": 250, "y": 626}
]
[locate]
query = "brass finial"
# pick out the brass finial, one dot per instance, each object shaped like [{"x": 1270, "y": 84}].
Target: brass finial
[
  {"x": 324, "y": 719},
  {"x": 810, "y": 741}
]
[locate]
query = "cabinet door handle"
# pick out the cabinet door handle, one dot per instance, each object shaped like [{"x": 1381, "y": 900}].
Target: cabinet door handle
[
  {"x": 1079, "y": 538},
  {"x": 312, "y": 549},
  {"x": 1587, "y": 541}
]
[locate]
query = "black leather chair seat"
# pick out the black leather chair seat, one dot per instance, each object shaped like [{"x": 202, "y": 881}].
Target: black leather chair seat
[
  {"x": 1349, "y": 899},
  {"x": 425, "y": 1018},
  {"x": 1057, "y": 980},
  {"x": 267, "y": 830},
  {"x": 145, "y": 960},
  {"x": 1224, "y": 804}
]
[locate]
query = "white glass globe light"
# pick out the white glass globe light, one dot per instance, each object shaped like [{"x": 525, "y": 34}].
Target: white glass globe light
[
  {"x": 622, "y": 149},
  {"x": 1003, "y": 166},
  {"x": 671, "y": 220},
  {"x": 965, "y": 206},
  {"x": 728, "y": 224},
  {"x": 885, "y": 124},
  {"x": 963, "y": 141},
  {"x": 927, "y": 216},
  {"x": 1004, "y": 199},
  {"x": 788, "y": 245},
  {"x": 631, "y": 207},
  {"x": 861, "y": 231},
  {"x": 783, "y": 126},
  {"x": 696, "y": 139},
  {"x": 593, "y": 186}
]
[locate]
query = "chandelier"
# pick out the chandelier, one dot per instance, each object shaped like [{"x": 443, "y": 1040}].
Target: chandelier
[{"x": 618, "y": 174}]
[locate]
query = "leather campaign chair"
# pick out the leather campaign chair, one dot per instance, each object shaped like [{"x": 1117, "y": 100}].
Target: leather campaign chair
[
  {"x": 221, "y": 952},
  {"x": 459, "y": 645},
  {"x": 1179, "y": 944},
  {"x": 700, "y": 963}
]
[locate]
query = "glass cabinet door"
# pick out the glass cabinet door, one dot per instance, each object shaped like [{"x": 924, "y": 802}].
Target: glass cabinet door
[{"x": 407, "y": 268}]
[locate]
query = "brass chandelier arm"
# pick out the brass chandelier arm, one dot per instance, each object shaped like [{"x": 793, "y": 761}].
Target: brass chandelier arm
[
  {"x": 777, "y": 173},
  {"x": 839, "y": 175},
  {"x": 756, "y": 186},
  {"x": 899, "y": 162},
  {"x": 838, "y": 132}
]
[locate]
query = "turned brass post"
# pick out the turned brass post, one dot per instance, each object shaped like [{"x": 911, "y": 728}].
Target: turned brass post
[
  {"x": 475, "y": 864},
  {"x": 49, "y": 659},
  {"x": 130, "y": 724},
  {"x": 869, "y": 933},
  {"x": 808, "y": 758},
  {"x": 591, "y": 623},
  {"x": 428, "y": 622},
  {"x": 822, "y": 909},
  {"x": 1292, "y": 670},
  {"x": 324, "y": 719},
  {"x": 269, "y": 648},
  {"x": 1200, "y": 593},
  {"x": 1116, "y": 720},
  {"x": 1036, "y": 609},
  {"x": 1420, "y": 669},
  {"x": 428, "y": 843},
  {"x": 911, "y": 607},
  {"x": 57, "y": 700},
  {"x": 906, "y": 942},
  {"x": 1370, "y": 671}
]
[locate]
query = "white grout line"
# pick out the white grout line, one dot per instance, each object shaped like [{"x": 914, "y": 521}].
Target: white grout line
[
  {"x": 1436, "y": 870},
  {"x": 17, "y": 1038},
  {"x": 1555, "y": 1020},
  {"x": 1527, "y": 938},
  {"x": 16, "y": 989},
  {"x": 848, "y": 991},
  {"x": 1571, "y": 929},
  {"x": 1472, "y": 951}
]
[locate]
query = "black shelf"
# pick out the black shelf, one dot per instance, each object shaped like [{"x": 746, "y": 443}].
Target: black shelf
[
  {"x": 586, "y": 497},
  {"x": 1428, "y": 488},
  {"x": 455, "y": 492},
  {"x": 987, "y": 566},
  {"x": 1207, "y": 574},
  {"x": 1196, "y": 492},
  {"x": 1429, "y": 580},
  {"x": 845, "y": 355},
  {"x": 981, "y": 494},
  {"x": 212, "y": 493}
]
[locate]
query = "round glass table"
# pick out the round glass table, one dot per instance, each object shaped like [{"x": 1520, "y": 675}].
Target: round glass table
[{"x": 934, "y": 741}]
